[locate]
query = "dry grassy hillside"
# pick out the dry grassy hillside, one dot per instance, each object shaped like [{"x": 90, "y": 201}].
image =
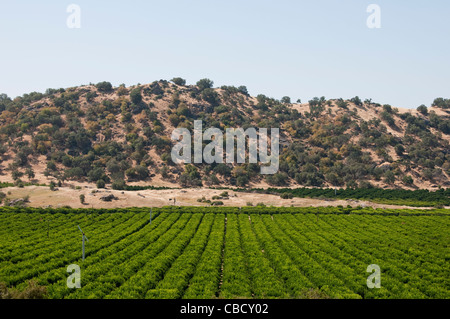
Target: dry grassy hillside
[{"x": 98, "y": 134}]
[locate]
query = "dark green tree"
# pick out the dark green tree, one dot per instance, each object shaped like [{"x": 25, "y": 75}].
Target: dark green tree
[
  {"x": 104, "y": 86},
  {"x": 136, "y": 96},
  {"x": 286, "y": 100},
  {"x": 179, "y": 81},
  {"x": 205, "y": 84},
  {"x": 423, "y": 109}
]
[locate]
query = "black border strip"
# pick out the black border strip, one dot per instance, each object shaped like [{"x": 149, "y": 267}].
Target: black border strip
[{"x": 275, "y": 308}]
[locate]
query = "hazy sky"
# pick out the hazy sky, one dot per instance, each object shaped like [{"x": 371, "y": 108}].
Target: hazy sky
[{"x": 297, "y": 48}]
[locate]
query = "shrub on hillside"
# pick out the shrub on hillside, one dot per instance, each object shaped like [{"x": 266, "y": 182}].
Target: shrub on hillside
[
  {"x": 135, "y": 96},
  {"x": 205, "y": 84},
  {"x": 104, "y": 86},
  {"x": 442, "y": 103},
  {"x": 423, "y": 109},
  {"x": 179, "y": 81}
]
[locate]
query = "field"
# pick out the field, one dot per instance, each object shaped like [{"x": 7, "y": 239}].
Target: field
[
  {"x": 44, "y": 197},
  {"x": 253, "y": 252}
]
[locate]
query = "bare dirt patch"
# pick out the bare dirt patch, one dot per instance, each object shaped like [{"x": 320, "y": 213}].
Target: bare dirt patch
[{"x": 40, "y": 196}]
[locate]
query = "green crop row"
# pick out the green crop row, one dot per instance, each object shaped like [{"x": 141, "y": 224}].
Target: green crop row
[
  {"x": 228, "y": 252},
  {"x": 205, "y": 281},
  {"x": 176, "y": 279},
  {"x": 235, "y": 281}
]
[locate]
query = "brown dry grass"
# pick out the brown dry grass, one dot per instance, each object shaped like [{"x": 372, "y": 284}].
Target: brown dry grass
[
  {"x": 40, "y": 196},
  {"x": 161, "y": 106}
]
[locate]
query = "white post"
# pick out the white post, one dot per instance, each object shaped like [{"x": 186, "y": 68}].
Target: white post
[
  {"x": 83, "y": 247},
  {"x": 84, "y": 236}
]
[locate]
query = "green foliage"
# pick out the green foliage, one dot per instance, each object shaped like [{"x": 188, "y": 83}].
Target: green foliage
[
  {"x": 222, "y": 169},
  {"x": 137, "y": 173},
  {"x": 386, "y": 116},
  {"x": 118, "y": 184},
  {"x": 100, "y": 183},
  {"x": 387, "y": 108},
  {"x": 179, "y": 81},
  {"x": 423, "y": 109},
  {"x": 90, "y": 96},
  {"x": 190, "y": 177},
  {"x": 205, "y": 84},
  {"x": 389, "y": 177},
  {"x": 135, "y": 95},
  {"x": 74, "y": 173},
  {"x": 277, "y": 179},
  {"x": 104, "y": 87},
  {"x": 16, "y": 175},
  {"x": 96, "y": 174},
  {"x": 441, "y": 103},
  {"x": 342, "y": 104},
  {"x": 242, "y": 180},
  {"x": 408, "y": 180},
  {"x": 122, "y": 90},
  {"x": 309, "y": 176},
  {"x": 286, "y": 100},
  {"x": 225, "y": 252},
  {"x": 243, "y": 89},
  {"x": 286, "y": 196},
  {"x": 51, "y": 166},
  {"x": 416, "y": 198},
  {"x": 356, "y": 100},
  {"x": 210, "y": 96},
  {"x": 399, "y": 149}
]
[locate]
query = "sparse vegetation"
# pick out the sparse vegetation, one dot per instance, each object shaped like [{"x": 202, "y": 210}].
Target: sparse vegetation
[
  {"x": 286, "y": 196},
  {"x": 110, "y": 138},
  {"x": 32, "y": 291}
]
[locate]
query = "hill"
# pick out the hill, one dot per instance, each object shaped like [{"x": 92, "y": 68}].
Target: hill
[{"x": 100, "y": 134}]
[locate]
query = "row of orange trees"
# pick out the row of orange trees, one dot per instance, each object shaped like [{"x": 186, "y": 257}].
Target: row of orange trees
[{"x": 228, "y": 252}]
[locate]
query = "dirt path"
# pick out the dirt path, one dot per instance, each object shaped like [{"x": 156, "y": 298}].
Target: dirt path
[{"x": 40, "y": 196}]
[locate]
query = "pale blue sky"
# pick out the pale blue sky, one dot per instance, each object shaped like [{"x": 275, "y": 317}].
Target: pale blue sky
[{"x": 297, "y": 48}]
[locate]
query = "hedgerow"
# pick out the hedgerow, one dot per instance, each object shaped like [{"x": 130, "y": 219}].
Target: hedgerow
[{"x": 414, "y": 198}]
